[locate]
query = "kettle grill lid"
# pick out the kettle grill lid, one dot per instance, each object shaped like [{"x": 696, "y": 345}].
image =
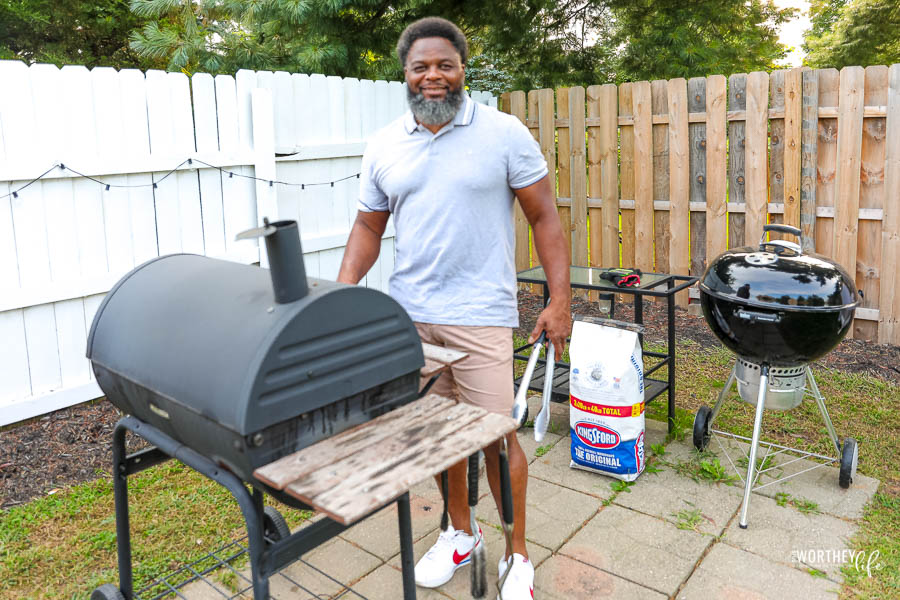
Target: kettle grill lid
[{"x": 778, "y": 277}]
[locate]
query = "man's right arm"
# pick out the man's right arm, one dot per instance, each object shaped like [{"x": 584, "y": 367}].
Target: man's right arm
[{"x": 363, "y": 245}]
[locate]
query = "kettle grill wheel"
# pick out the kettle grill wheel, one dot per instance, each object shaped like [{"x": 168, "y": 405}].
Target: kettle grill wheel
[
  {"x": 849, "y": 459},
  {"x": 701, "y": 427}
]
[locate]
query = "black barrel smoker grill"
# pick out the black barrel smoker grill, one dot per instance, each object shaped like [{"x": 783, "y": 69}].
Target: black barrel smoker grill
[
  {"x": 778, "y": 309},
  {"x": 212, "y": 368}
]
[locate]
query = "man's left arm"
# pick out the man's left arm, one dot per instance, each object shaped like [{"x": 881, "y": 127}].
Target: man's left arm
[{"x": 539, "y": 205}]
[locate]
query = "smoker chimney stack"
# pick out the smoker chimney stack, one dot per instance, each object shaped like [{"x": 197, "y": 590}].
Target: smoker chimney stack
[{"x": 285, "y": 258}]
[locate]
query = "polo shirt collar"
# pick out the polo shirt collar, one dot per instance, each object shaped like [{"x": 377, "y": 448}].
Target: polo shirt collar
[{"x": 463, "y": 117}]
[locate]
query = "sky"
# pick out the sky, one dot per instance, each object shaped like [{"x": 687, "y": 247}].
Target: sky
[{"x": 791, "y": 33}]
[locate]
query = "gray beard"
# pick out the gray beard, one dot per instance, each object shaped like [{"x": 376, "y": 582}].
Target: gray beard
[{"x": 434, "y": 112}]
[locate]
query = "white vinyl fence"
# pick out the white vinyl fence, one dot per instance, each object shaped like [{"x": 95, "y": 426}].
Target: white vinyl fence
[{"x": 65, "y": 239}]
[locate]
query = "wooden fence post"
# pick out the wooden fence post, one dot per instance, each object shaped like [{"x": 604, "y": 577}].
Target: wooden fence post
[
  {"x": 716, "y": 173},
  {"x": 737, "y": 102},
  {"x": 792, "y": 142},
  {"x": 756, "y": 143},
  {"x": 776, "y": 150},
  {"x": 533, "y": 101},
  {"x": 516, "y": 107},
  {"x": 626, "y": 175},
  {"x": 643, "y": 175},
  {"x": 696, "y": 102},
  {"x": 871, "y": 198},
  {"x": 609, "y": 178},
  {"x": 659, "y": 106},
  {"x": 826, "y": 160},
  {"x": 889, "y": 304},
  {"x": 679, "y": 183},
  {"x": 849, "y": 148},
  {"x": 578, "y": 183},
  {"x": 808, "y": 152},
  {"x": 565, "y": 162},
  {"x": 594, "y": 176}
]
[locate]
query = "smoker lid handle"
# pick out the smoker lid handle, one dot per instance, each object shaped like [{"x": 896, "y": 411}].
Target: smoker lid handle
[{"x": 256, "y": 232}]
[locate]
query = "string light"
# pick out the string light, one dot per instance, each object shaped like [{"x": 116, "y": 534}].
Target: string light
[{"x": 187, "y": 161}]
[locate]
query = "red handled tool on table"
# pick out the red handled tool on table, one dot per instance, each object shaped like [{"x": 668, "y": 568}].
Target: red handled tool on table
[{"x": 623, "y": 277}]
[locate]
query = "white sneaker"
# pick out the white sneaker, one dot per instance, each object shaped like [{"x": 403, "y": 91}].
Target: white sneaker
[
  {"x": 452, "y": 550},
  {"x": 501, "y": 567},
  {"x": 520, "y": 583}
]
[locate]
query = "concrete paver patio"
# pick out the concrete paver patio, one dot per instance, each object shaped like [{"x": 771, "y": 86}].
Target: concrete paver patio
[{"x": 666, "y": 536}]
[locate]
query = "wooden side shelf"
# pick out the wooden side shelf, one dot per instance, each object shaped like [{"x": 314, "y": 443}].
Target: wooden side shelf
[
  {"x": 438, "y": 359},
  {"x": 349, "y": 475}
]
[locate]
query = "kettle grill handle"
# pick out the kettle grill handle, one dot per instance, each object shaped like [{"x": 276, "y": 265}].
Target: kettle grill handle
[
  {"x": 781, "y": 229},
  {"x": 758, "y": 317}
]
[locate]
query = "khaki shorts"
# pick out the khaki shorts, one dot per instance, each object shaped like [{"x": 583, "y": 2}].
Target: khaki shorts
[{"x": 485, "y": 378}]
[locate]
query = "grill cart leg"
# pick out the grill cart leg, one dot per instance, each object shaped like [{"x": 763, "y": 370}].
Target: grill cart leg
[
  {"x": 820, "y": 400},
  {"x": 120, "y": 493},
  {"x": 167, "y": 447},
  {"x": 670, "y": 350},
  {"x": 406, "y": 548},
  {"x": 754, "y": 444}
]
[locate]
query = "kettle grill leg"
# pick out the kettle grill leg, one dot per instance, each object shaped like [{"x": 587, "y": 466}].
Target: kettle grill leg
[
  {"x": 722, "y": 395},
  {"x": 820, "y": 400},
  {"x": 754, "y": 444}
]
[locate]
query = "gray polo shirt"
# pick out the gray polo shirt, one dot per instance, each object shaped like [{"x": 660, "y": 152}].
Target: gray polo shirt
[{"x": 451, "y": 195}]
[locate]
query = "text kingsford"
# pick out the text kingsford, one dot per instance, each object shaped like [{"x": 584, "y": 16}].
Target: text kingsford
[{"x": 597, "y": 436}]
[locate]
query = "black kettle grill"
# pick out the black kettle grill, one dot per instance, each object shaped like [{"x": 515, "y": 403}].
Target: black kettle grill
[
  {"x": 776, "y": 305},
  {"x": 228, "y": 371},
  {"x": 778, "y": 309}
]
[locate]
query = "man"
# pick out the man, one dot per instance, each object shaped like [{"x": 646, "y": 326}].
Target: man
[{"x": 449, "y": 172}]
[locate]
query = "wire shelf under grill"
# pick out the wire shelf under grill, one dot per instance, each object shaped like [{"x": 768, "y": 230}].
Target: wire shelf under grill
[
  {"x": 652, "y": 387},
  {"x": 224, "y": 573}
]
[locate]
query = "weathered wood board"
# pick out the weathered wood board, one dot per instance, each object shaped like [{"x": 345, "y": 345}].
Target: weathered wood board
[{"x": 349, "y": 475}]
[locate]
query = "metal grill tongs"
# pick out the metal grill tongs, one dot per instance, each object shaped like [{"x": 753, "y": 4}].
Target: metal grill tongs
[{"x": 520, "y": 406}]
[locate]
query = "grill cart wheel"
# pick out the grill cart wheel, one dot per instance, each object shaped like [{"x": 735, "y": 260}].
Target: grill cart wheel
[
  {"x": 275, "y": 528},
  {"x": 849, "y": 458},
  {"x": 107, "y": 591},
  {"x": 701, "y": 427}
]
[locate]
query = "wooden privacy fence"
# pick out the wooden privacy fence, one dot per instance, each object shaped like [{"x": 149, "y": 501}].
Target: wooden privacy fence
[
  {"x": 665, "y": 175},
  {"x": 65, "y": 240}
]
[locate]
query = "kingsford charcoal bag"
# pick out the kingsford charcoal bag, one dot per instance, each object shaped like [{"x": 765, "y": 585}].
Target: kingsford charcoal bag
[{"x": 606, "y": 412}]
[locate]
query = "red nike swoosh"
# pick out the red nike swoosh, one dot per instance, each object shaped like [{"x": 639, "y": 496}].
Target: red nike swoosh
[{"x": 458, "y": 558}]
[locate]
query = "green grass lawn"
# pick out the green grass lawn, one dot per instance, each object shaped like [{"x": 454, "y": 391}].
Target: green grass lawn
[{"x": 63, "y": 545}]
